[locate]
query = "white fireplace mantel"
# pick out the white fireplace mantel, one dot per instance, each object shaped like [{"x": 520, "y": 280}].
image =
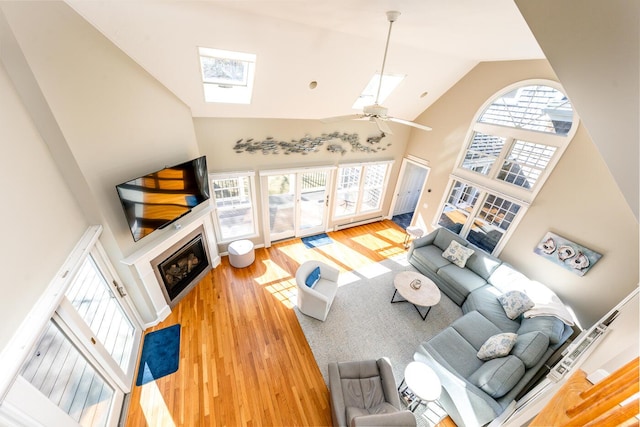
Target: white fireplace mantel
[{"x": 141, "y": 260}]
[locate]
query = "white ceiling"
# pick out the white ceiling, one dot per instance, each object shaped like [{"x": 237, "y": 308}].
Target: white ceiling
[{"x": 338, "y": 43}]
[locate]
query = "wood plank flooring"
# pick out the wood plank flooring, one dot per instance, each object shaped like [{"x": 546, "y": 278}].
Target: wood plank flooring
[{"x": 244, "y": 360}]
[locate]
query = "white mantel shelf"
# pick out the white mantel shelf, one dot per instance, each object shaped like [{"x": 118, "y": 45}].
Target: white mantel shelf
[{"x": 141, "y": 260}]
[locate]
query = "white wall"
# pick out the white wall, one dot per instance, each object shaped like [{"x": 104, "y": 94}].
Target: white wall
[
  {"x": 217, "y": 137},
  {"x": 42, "y": 220},
  {"x": 594, "y": 48},
  {"x": 580, "y": 201},
  {"x": 116, "y": 120}
]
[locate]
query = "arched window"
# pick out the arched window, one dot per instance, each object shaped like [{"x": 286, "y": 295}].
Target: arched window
[{"x": 515, "y": 140}]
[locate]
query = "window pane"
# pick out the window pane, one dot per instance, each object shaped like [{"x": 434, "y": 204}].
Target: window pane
[
  {"x": 374, "y": 176},
  {"x": 58, "y": 370},
  {"x": 458, "y": 206},
  {"x": 235, "y": 209},
  {"x": 347, "y": 190},
  {"x": 525, "y": 163},
  {"x": 483, "y": 152},
  {"x": 92, "y": 297},
  {"x": 538, "y": 108},
  {"x": 492, "y": 221}
]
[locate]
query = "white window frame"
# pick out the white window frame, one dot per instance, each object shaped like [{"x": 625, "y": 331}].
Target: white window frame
[
  {"x": 489, "y": 183},
  {"x": 251, "y": 176},
  {"x": 228, "y": 91},
  {"x": 359, "y": 211}
]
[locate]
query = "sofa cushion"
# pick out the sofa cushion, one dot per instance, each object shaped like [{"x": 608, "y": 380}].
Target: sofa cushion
[
  {"x": 498, "y": 345},
  {"x": 482, "y": 263},
  {"x": 451, "y": 349},
  {"x": 444, "y": 238},
  {"x": 497, "y": 376},
  {"x": 550, "y": 326},
  {"x": 462, "y": 280},
  {"x": 530, "y": 347},
  {"x": 457, "y": 254},
  {"x": 485, "y": 301},
  {"x": 506, "y": 278},
  {"x": 515, "y": 303},
  {"x": 475, "y": 329},
  {"x": 431, "y": 256}
]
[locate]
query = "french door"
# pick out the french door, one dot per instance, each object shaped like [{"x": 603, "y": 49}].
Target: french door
[
  {"x": 83, "y": 364},
  {"x": 295, "y": 202}
]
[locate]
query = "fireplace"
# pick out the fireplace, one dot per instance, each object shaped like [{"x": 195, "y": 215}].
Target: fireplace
[{"x": 182, "y": 266}]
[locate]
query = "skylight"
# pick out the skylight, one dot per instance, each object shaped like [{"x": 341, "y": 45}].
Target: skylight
[
  {"x": 227, "y": 76},
  {"x": 368, "y": 95}
]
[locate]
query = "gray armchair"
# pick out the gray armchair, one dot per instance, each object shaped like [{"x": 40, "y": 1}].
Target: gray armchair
[
  {"x": 365, "y": 394},
  {"x": 316, "y": 301}
]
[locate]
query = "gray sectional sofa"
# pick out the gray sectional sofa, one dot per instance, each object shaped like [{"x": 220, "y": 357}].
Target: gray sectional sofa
[{"x": 476, "y": 391}]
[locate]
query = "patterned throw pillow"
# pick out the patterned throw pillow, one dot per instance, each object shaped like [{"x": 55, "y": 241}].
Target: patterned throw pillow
[
  {"x": 497, "y": 346},
  {"x": 515, "y": 303},
  {"x": 457, "y": 254}
]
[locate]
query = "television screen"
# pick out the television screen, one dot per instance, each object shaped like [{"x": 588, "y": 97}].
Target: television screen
[{"x": 156, "y": 200}]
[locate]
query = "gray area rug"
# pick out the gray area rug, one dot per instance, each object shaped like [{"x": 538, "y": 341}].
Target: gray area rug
[{"x": 363, "y": 324}]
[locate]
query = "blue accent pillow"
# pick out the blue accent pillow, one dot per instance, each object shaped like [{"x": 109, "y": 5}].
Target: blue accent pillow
[{"x": 313, "y": 277}]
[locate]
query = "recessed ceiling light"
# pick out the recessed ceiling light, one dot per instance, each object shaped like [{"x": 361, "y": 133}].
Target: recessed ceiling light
[
  {"x": 423, "y": 94},
  {"x": 313, "y": 84}
]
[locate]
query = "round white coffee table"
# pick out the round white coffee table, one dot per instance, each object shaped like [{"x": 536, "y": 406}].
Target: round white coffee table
[
  {"x": 423, "y": 382},
  {"x": 416, "y": 289}
]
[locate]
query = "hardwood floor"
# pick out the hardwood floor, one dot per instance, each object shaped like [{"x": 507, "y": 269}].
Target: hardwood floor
[{"x": 244, "y": 359}]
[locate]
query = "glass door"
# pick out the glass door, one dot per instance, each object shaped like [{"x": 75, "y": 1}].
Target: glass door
[
  {"x": 281, "y": 209},
  {"x": 313, "y": 198},
  {"x": 296, "y": 202},
  {"x": 84, "y": 362}
]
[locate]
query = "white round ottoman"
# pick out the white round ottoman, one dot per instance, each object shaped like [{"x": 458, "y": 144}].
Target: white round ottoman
[{"x": 241, "y": 253}]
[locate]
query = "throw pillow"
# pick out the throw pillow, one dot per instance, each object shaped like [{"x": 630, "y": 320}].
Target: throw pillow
[
  {"x": 313, "y": 277},
  {"x": 457, "y": 254},
  {"x": 515, "y": 303},
  {"x": 498, "y": 345}
]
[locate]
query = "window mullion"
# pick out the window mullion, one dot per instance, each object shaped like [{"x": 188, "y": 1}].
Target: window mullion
[
  {"x": 361, "y": 190},
  {"x": 474, "y": 212},
  {"x": 497, "y": 165}
]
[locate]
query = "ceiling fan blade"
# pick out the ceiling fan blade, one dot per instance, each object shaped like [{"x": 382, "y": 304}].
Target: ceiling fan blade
[
  {"x": 383, "y": 126},
  {"x": 408, "y": 123},
  {"x": 341, "y": 118}
]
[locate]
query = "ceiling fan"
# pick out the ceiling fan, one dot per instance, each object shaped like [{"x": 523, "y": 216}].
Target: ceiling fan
[{"x": 376, "y": 112}]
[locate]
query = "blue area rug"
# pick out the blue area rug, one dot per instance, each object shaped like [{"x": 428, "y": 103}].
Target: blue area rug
[
  {"x": 160, "y": 354},
  {"x": 317, "y": 240},
  {"x": 403, "y": 220}
]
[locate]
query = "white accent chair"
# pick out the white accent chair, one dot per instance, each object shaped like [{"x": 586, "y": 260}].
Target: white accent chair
[{"x": 316, "y": 301}]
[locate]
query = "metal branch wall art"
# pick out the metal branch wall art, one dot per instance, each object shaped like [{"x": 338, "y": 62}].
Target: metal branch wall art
[{"x": 307, "y": 144}]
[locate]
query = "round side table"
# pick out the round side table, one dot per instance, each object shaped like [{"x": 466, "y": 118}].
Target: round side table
[
  {"x": 412, "y": 232},
  {"x": 423, "y": 382}
]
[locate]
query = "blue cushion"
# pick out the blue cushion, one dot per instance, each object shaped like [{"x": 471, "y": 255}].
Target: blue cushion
[
  {"x": 313, "y": 277},
  {"x": 497, "y": 376},
  {"x": 548, "y": 325}
]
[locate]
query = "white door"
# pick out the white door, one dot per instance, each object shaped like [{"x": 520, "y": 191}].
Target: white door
[
  {"x": 296, "y": 202},
  {"x": 412, "y": 180},
  {"x": 83, "y": 364}
]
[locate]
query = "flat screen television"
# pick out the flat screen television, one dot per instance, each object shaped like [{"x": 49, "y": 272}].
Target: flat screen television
[{"x": 155, "y": 200}]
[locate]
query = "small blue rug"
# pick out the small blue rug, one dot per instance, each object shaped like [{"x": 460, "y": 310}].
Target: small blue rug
[
  {"x": 160, "y": 354},
  {"x": 317, "y": 240}
]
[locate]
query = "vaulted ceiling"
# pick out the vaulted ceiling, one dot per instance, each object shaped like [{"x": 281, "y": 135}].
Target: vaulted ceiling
[{"x": 337, "y": 43}]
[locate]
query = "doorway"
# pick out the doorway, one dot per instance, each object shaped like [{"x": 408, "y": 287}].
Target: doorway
[
  {"x": 295, "y": 202},
  {"x": 411, "y": 183},
  {"x": 81, "y": 367}
]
